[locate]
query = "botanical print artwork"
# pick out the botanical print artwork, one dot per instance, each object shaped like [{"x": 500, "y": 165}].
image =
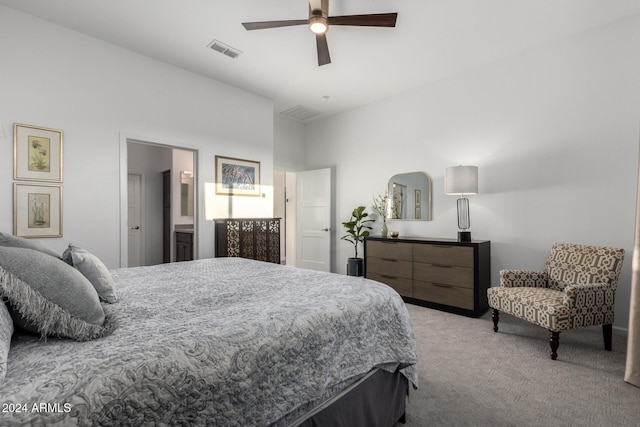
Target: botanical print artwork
[
  {"x": 238, "y": 177},
  {"x": 39, "y": 212},
  {"x": 39, "y": 154}
]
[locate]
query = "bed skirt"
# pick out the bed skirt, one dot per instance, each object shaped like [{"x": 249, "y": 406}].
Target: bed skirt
[{"x": 376, "y": 400}]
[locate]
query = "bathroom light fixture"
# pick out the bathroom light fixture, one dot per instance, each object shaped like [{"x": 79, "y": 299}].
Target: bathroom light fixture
[{"x": 461, "y": 181}]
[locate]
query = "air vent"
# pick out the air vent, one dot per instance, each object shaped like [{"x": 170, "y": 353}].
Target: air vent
[
  {"x": 224, "y": 49},
  {"x": 300, "y": 113}
]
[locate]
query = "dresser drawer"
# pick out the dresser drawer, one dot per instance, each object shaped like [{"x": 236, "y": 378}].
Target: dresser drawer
[
  {"x": 390, "y": 250},
  {"x": 403, "y": 286},
  {"x": 461, "y": 256},
  {"x": 444, "y": 274},
  {"x": 444, "y": 294},
  {"x": 389, "y": 267}
]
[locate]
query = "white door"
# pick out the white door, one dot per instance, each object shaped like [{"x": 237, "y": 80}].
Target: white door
[
  {"x": 313, "y": 219},
  {"x": 134, "y": 232}
]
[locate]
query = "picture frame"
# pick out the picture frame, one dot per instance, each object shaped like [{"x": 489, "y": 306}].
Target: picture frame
[
  {"x": 417, "y": 196},
  {"x": 37, "y": 153},
  {"x": 237, "y": 177},
  {"x": 37, "y": 210}
]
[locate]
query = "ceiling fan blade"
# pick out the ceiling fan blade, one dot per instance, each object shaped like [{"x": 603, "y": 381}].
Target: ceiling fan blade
[
  {"x": 274, "y": 24},
  {"x": 323, "y": 50},
  {"x": 370, "y": 20}
]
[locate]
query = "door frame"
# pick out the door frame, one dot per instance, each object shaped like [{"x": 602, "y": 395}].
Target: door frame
[{"x": 126, "y": 137}]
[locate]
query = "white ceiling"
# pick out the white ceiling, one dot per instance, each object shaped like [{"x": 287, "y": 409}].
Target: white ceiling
[{"x": 432, "y": 40}]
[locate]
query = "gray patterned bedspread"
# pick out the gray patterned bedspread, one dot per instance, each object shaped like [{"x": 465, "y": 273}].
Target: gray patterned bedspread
[{"x": 220, "y": 342}]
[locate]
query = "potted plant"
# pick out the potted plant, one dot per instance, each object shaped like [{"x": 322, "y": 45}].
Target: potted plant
[{"x": 357, "y": 229}]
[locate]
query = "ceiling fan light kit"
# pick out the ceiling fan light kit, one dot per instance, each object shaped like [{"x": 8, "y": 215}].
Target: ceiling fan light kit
[
  {"x": 318, "y": 25},
  {"x": 319, "y": 22}
]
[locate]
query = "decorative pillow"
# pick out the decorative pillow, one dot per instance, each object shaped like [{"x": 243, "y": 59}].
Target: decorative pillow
[
  {"x": 48, "y": 296},
  {"x": 6, "y": 330},
  {"x": 11, "y": 241},
  {"x": 93, "y": 269}
]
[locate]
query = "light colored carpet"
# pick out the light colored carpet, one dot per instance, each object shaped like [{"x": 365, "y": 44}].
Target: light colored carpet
[{"x": 471, "y": 376}]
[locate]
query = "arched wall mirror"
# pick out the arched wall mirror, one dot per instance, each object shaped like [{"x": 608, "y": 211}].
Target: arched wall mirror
[{"x": 410, "y": 194}]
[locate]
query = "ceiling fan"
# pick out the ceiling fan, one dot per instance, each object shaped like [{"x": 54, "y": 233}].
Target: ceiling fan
[{"x": 319, "y": 22}]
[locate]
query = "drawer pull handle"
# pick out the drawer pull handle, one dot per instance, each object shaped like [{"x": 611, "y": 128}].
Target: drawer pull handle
[
  {"x": 442, "y": 265},
  {"x": 386, "y": 276},
  {"x": 390, "y": 259},
  {"x": 442, "y": 285}
]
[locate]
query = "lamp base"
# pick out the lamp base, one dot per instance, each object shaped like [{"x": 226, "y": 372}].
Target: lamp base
[{"x": 464, "y": 236}]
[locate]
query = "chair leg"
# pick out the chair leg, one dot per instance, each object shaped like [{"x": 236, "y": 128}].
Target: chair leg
[
  {"x": 495, "y": 316},
  {"x": 554, "y": 341},
  {"x": 607, "y": 333}
]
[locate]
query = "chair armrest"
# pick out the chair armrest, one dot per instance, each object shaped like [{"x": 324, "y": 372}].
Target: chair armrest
[
  {"x": 589, "y": 295},
  {"x": 523, "y": 278}
]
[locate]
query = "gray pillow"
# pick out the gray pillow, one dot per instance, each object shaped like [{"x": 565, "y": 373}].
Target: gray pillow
[
  {"x": 50, "y": 297},
  {"x": 94, "y": 270},
  {"x": 6, "y": 330},
  {"x": 11, "y": 241}
]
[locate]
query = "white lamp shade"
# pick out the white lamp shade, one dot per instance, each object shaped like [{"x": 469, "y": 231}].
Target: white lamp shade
[{"x": 459, "y": 180}]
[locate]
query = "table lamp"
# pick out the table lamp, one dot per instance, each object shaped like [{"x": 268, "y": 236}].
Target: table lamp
[{"x": 462, "y": 181}]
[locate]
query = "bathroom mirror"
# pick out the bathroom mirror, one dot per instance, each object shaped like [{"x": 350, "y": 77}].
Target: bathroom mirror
[
  {"x": 186, "y": 193},
  {"x": 410, "y": 194}
]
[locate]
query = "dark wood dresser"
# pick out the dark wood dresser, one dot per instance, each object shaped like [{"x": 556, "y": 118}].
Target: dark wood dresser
[
  {"x": 438, "y": 273},
  {"x": 253, "y": 238}
]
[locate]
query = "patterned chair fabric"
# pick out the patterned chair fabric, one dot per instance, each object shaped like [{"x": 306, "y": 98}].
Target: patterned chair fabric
[{"x": 575, "y": 290}]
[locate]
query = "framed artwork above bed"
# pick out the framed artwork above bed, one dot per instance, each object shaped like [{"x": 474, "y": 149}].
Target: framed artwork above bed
[
  {"x": 37, "y": 153},
  {"x": 37, "y": 210},
  {"x": 237, "y": 177}
]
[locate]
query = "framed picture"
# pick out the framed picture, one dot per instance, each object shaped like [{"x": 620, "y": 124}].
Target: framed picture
[
  {"x": 37, "y": 153},
  {"x": 417, "y": 196},
  {"x": 37, "y": 210},
  {"x": 418, "y": 212},
  {"x": 237, "y": 177}
]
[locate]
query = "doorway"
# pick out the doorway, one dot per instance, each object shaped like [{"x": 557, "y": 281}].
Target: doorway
[{"x": 144, "y": 217}]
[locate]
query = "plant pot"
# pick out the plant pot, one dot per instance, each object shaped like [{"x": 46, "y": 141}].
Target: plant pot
[{"x": 355, "y": 266}]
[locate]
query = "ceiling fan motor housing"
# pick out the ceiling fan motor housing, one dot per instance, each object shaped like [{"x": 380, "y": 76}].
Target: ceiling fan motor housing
[{"x": 318, "y": 22}]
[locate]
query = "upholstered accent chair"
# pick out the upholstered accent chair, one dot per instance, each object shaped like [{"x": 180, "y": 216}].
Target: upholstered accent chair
[{"x": 576, "y": 290}]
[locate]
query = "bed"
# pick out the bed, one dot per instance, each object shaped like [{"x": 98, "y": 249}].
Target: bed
[{"x": 221, "y": 342}]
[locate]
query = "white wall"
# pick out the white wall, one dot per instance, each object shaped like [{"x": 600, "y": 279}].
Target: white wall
[
  {"x": 554, "y": 132},
  {"x": 96, "y": 93},
  {"x": 289, "y": 144}
]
